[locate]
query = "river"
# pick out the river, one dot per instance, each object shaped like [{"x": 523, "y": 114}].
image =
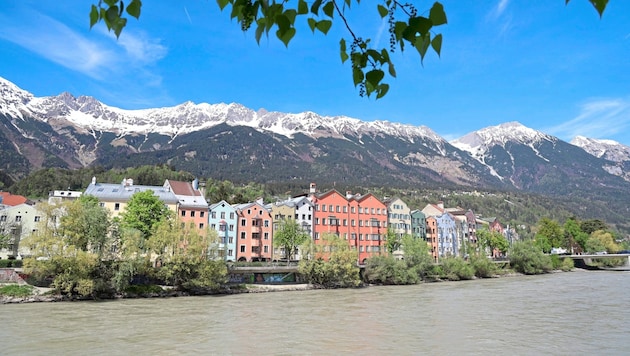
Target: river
[{"x": 576, "y": 313}]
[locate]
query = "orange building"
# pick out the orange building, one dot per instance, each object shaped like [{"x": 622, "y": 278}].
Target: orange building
[
  {"x": 255, "y": 232},
  {"x": 192, "y": 206},
  {"x": 359, "y": 219}
]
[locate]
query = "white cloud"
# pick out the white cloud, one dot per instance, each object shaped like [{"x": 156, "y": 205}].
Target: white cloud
[
  {"x": 598, "y": 118},
  {"x": 97, "y": 54},
  {"x": 499, "y": 9}
]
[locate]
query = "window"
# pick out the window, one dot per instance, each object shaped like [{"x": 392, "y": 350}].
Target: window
[
  {"x": 221, "y": 227},
  {"x": 266, "y": 236},
  {"x": 231, "y": 215},
  {"x": 266, "y": 248},
  {"x": 352, "y": 222},
  {"x": 266, "y": 223},
  {"x": 117, "y": 206},
  {"x": 202, "y": 214},
  {"x": 201, "y": 225},
  {"x": 231, "y": 227},
  {"x": 243, "y": 236},
  {"x": 37, "y": 218},
  {"x": 330, "y": 208},
  {"x": 231, "y": 239},
  {"x": 223, "y": 215},
  {"x": 18, "y": 218},
  {"x": 317, "y": 236},
  {"x": 243, "y": 248},
  {"x": 213, "y": 226},
  {"x": 102, "y": 205},
  {"x": 338, "y": 209},
  {"x": 255, "y": 249},
  {"x": 352, "y": 209},
  {"x": 192, "y": 214},
  {"x": 243, "y": 222},
  {"x": 316, "y": 221},
  {"x": 183, "y": 212},
  {"x": 230, "y": 252},
  {"x": 3, "y": 218},
  {"x": 345, "y": 222},
  {"x": 324, "y": 207},
  {"x": 213, "y": 214}
]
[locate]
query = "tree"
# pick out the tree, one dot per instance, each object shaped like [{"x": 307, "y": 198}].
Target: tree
[
  {"x": 393, "y": 241},
  {"x": 492, "y": 241},
  {"x": 86, "y": 225},
  {"x": 407, "y": 27},
  {"x": 549, "y": 235},
  {"x": 144, "y": 210},
  {"x": 601, "y": 240},
  {"x": 289, "y": 236},
  {"x": 574, "y": 235}
]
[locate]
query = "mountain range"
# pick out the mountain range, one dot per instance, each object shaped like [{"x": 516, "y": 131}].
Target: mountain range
[{"x": 230, "y": 141}]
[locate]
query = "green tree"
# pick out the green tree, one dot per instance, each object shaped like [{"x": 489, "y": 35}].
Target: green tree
[
  {"x": 592, "y": 225},
  {"x": 601, "y": 240},
  {"x": 86, "y": 225},
  {"x": 144, "y": 210},
  {"x": 289, "y": 236},
  {"x": 417, "y": 256},
  {"x": 393, "y": 241},
  {"x": 549, "y": 235},
  {"x": 574, "y": 236},
  {"x": 491, "y": 241}
]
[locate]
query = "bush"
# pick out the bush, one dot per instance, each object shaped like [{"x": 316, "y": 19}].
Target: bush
[
  {"x": 483, "y": 266},
  {"x": 526, "y": 258},
  {"x": 16, "y": 290},
  {"x": 455, "y": 269},
  {"x": 567, "y": 265},
  {"x": 144, "y": 290},
  {"x": 388, "y": 270},
  {"x": 10, "y": 263}
]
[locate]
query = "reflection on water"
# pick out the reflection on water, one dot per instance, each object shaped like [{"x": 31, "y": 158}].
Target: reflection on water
[{"x": 561, "y": 314}]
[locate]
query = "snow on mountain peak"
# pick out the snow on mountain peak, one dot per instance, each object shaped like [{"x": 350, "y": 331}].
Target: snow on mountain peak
[
  {"x": 481, "y": 140},
  {"x": 607, "y": 149}
]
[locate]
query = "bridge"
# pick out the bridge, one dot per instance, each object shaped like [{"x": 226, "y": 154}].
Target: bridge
[{"x": 584, "y": 261}]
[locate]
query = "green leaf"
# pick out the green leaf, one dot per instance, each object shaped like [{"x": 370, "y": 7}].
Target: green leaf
[
  {"x": 392, "y": 70},
  {"x": 420, "y": 25},
  {"x": 329, "y": 9},
  {"x": 285, "y": 36},
  {"x": 312, "y": 23},
  {"x": 222, "y": 3},
  {"x": 260, "y": 29},
  {"x": 600, "y": 6},
  {"x": 382, "y": 90},
  {"x": 290, "y": 14},
  {"x": 436, "y": 43},
  {"x": 357, "y": 76},
  {"x": 343, "y": 50},
  {"x": 93, "y": 16},
  {"x": 324, "y": 26},
  {"x": 315, "y": 7},
  {"x": 112, "y": 15},
  {"x": 133, "y": 9},
  {"x": 437, "y": 14},
  {"x": 302, "y": 7},
  {"x": 422, "y": 44},
  {"x": 374, "y": 77},
  {"x": 382, "y": 10}
]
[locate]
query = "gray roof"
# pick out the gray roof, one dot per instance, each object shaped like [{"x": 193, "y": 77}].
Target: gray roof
[{"x": 120, "y": 192}]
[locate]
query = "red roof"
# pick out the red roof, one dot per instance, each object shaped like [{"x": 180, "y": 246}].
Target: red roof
[
  {"x": 7, "y": 198},
  {"x": 183, "y": 188}
]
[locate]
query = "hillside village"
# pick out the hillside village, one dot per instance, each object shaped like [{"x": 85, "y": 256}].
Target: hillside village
[{"x": 246, "y": 230}]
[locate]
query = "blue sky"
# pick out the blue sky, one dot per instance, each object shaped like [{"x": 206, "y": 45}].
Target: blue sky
[{"x": 553, "y": 67}]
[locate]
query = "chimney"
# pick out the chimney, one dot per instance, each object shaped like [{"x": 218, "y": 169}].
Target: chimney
[
  {"x": 313, "y": 188},
  {"x": 93, "y": 180},
  {"x": 440, "y": 204},
  {"x": 195, "y": 184},
  {"x": 348, "y": 194}
]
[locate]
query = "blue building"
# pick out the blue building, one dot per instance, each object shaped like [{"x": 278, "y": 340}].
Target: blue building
[{"x": 222, "y": 218}]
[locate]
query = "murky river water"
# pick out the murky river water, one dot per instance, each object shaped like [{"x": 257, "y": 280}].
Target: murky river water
[{"x": 578, "y": 313}]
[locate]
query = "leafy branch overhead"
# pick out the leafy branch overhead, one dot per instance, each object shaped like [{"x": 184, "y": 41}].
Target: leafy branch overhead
[{"x": 407, "y": 27}]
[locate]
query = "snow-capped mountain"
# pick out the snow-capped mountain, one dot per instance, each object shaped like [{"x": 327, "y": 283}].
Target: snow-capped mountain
[
  {"x": 607, "y": 149},
  {"x": 230, "y": 141},
  {"x": 92, "y": 115},
  {"x": 81, "y": 131},
  {"x": 617, "y": 154}
]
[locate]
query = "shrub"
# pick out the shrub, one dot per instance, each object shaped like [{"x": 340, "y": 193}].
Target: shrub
[
  {"x": 483, "y": 266},
  {"x": 567, "y": 264},
  {"x": 455, "y": 269},
  {"x": 526, "y": 258},
  {"x": 388, "y": 270}
]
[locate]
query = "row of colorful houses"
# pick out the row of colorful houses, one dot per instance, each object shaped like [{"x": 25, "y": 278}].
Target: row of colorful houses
[{"x": 246, "y": 230}]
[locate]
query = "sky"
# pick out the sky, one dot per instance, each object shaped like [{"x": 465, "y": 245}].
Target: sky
[{"x": 556, "y": 68}]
